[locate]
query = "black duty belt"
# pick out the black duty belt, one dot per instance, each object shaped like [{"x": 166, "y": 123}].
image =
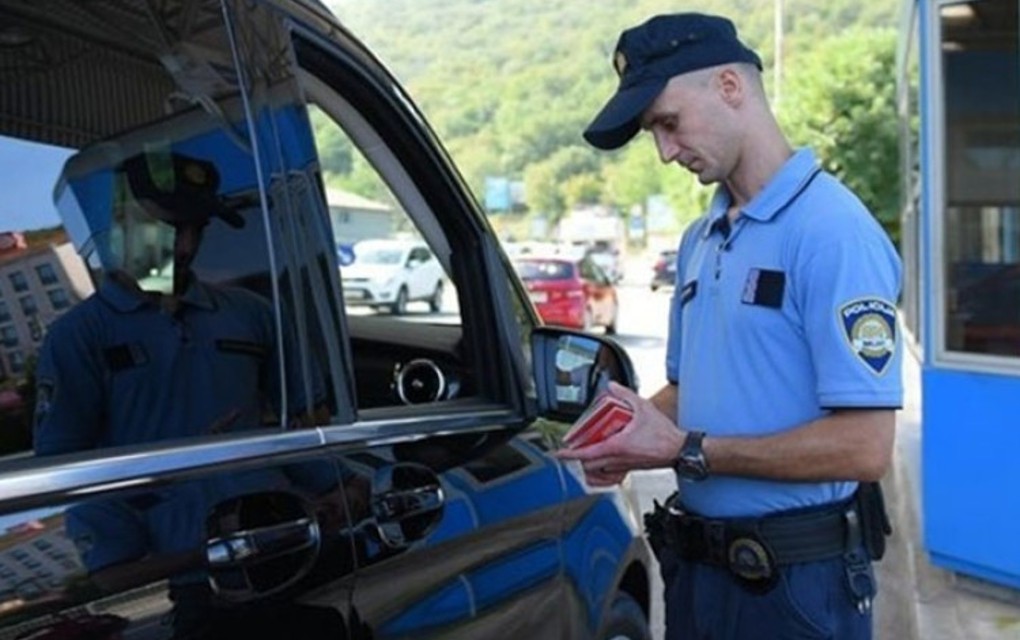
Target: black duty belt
[{"x": 752, "y": 548}]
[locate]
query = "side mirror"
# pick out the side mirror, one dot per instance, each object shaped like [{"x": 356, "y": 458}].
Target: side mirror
[{"x": 572, "y": 367}]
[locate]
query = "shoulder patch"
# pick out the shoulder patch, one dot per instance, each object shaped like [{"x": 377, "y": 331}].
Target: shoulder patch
[
  {"x": 45, "y": 392},
  {"x": 869, "y": 325}
]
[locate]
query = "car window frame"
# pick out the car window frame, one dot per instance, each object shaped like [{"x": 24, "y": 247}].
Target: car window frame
[{"x": 399, "y": 139}]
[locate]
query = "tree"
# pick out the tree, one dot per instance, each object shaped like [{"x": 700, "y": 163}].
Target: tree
[
  {"x": 508, "y": 86},
  {"x": 567, "y": 177},
  {"x": 634, "y": 174},
  {"x": 842, "y": 102}
]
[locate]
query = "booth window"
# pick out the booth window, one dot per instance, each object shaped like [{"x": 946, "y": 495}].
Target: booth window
[{"x": 981, "y": 223}]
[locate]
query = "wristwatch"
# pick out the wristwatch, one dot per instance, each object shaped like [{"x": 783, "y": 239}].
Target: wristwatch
[{"x": 691, "y": 464}]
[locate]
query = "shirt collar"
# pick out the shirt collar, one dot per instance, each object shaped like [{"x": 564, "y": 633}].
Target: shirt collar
[
  {"x": 777, "y": 194},
  {"x": 123, "y": 294}
]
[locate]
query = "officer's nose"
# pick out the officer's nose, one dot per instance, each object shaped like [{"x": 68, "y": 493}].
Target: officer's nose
[{"x": 668, "y": 149}]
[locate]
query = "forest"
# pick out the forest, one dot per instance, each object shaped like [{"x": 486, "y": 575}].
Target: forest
[{"x": 509, "y": 85}]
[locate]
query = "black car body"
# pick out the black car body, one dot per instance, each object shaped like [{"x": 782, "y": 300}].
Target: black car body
[{"x": 419, "y": 498}]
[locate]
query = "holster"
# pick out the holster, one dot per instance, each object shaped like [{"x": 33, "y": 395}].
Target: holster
[
  {"x": 875, "y": 524},
  {"x": 658, "y": 529}
]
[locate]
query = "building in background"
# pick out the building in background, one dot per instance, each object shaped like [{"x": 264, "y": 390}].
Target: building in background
[
  {"x": 357, "y": 218},
  {"x": 37, "y": 285}
]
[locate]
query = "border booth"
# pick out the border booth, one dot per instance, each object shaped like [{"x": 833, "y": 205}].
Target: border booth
[{"x": 959, "y": 102}]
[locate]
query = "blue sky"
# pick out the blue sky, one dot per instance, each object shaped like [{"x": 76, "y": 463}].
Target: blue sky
[{"x": 29, "y": 172}]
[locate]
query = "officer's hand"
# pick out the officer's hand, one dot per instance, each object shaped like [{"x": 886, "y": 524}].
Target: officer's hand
[{"x": 649, "y": 441}]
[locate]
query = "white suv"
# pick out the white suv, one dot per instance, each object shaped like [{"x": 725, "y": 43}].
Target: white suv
[{"x": 391, "y": 273}]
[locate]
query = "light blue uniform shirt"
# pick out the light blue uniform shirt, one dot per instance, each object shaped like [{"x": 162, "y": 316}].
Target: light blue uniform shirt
[
  {"x": 788, "y": 317},
  {"x": 118, "y": 370}
]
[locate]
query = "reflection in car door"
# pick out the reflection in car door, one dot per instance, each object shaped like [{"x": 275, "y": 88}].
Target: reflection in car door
[
  {"x": 222, "y": 553},
  {"x": 471, "y": 567}
]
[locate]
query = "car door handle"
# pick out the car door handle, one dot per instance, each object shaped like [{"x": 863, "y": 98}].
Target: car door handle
[
  {"x": 407, "y": 503},
  {"x": 395, "y": 505},
  {"x": 263, "y": 543}
]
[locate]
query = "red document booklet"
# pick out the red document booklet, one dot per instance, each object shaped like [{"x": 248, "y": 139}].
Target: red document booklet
[{"x": 603, "y": 418}]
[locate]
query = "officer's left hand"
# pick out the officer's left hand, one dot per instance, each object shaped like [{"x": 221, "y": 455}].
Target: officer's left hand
[{"x": 649, "y": 441}]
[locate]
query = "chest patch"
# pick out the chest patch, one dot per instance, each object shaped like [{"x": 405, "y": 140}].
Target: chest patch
[
  {"x": 764, "y": 287},
  {"x": 869, "y": 325}
]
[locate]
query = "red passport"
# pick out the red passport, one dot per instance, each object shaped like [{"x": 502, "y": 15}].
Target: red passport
[{"x": 603, "y": 418}]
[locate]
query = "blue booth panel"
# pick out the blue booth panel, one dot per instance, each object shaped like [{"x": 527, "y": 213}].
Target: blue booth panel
[{"x": 971, "y": 473}]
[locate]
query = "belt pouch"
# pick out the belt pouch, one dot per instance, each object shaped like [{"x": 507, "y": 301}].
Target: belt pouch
[{"x": 875, "y": 523}]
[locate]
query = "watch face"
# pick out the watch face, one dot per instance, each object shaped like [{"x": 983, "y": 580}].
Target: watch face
[
  {"x": 691, "y": 468},
  {"x": 691, "y": 464}
]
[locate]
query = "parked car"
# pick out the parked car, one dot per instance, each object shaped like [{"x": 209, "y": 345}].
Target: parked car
[
  {"x": 609, "y": 261},
  {"x": 664, "y": 270},
  {"x": 396, "y": 480},
  {"x": 388, "y": 274},
  {"x": 570, "y": 292},
  {"x": 609, "y": 255}
]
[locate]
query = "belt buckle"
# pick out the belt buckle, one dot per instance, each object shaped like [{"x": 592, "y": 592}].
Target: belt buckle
[{"x": 751, "y": 561}]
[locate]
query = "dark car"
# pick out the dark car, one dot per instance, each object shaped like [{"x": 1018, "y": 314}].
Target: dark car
[
  {"x": 396, "y": 480},
  {"x": 664, "y": 269},
  {"x": 570, "y": 292}
]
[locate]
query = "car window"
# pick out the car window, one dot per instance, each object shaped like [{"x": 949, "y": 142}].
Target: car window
[
  {"x": 172, "y": 312},
  {"x": 544, "y": 270},
  {"x": 411, "y": 340},
  {"x": 589, "y": 270},
  {"x": 599, "y": 275},
  {"x": 302, "y": 205},
  {"x": 150, "y": 292}
]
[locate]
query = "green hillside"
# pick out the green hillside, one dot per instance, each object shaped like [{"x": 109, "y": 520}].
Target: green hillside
[{"x": 509, "y": 86}]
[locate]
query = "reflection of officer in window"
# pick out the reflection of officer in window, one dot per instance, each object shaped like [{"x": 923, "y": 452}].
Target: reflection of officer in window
[
  {"x": 130, "y": 365},
  {"x": 144, "y": 360}
]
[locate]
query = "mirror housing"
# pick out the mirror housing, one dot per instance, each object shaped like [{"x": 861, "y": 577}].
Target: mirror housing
[{"x": 572, "y": 367}]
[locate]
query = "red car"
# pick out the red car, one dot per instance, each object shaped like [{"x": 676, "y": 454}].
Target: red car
[{"x": 570, "y": 292}]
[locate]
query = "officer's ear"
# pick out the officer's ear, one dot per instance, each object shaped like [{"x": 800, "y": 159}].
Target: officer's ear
[{"x": 731, "y": 85}]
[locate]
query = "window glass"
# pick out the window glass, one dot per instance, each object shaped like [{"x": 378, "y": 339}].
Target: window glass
[
  {"x": 17, "y": 361},
  {"x": 156, "y": 298},
  {"x": 544, "y": 269},
  {"x": 47, "y": 274},
  {"x": 28, "y": 305},
  {"x": 181, "y": 290},
  {"x": 58, "y": 299},
  {"x": 401, "y": 300},
  {"x": 18, "y": 281},
  {"x": 981, "y": 231}
]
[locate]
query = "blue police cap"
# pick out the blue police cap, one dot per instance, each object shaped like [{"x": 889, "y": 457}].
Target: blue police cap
[
  {"x": 184, "y": 188},
  {"x": 648, "y": 55}
]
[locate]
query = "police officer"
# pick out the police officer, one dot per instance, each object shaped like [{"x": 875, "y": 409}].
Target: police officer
[{"x": 783, "y": 360}]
